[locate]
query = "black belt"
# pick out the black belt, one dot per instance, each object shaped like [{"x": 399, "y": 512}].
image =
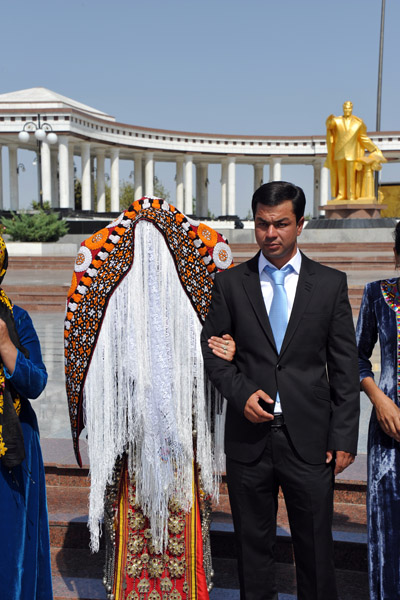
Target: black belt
[{"x": 279, "y": 421}]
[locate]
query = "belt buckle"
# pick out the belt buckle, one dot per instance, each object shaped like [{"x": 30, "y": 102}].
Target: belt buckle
[{"x": 278, "y": 421}]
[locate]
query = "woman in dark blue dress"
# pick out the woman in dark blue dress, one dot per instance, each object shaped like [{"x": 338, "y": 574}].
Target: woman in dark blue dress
[
  {"x": 25, "y": 570},
  {"x": 380, "y": 318}
]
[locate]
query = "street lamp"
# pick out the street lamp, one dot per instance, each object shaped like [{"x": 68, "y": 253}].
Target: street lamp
[{"x": 41, "y": 131}]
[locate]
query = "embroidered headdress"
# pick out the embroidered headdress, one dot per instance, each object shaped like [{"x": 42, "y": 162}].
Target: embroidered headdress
[{"x": 140, "y": 291}]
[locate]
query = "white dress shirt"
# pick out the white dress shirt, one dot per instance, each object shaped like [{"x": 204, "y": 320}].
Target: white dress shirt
[
  {"x": 267, "y": 289},
  {"x": 291, "y": 280}
]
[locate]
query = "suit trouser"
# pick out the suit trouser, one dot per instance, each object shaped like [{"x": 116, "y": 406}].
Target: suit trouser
[{"x": 308, "y": 491}]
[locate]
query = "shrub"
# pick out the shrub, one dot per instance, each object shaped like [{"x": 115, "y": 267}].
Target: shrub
[{"x": 41, "y": 226}]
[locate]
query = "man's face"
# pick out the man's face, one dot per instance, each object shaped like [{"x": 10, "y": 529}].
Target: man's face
[
  {"x": 347, "y": 109},
  {"x": 276, "y": 232}
]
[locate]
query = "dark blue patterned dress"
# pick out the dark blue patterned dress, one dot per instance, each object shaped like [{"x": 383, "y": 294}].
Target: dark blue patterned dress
[
  {"x": 380, "y": 316},
  {"x": 25, "y": 569}
]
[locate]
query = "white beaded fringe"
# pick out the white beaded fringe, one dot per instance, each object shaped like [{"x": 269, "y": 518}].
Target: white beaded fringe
[{"x": 146, "y": 391}]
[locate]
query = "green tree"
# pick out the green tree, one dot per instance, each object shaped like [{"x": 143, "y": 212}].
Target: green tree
[
  {"x": 78, "y": 194},
  {"x": 126, "y": 194},
  {"x": 42, "y": 226},
  {"x": 159, "y": 190}
]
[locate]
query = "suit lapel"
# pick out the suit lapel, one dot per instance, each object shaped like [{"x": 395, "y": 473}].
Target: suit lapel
[
  {"x": 304, "y": 291},
  {"x": 251, "y": 284}
]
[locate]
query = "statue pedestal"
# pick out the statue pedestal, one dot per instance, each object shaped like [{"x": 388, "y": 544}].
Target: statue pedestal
[{"x": 353, "y": 210}]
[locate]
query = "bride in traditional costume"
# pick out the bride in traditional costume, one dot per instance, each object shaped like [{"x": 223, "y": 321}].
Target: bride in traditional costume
[{"x": 135, "y": 379}]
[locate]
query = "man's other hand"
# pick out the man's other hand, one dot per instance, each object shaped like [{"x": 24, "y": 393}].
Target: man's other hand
[
  {"x": 253, "y": 411},
  {"x": 343, "y": 460}
]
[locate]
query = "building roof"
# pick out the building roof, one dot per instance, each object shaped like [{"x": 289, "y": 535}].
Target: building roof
[{"x": 40, "y": 96}]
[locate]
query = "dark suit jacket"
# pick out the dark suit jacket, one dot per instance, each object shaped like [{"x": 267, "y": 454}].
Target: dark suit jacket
[{"x": 316, "y": 370}]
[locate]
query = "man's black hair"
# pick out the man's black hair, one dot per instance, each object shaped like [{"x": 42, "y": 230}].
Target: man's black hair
[{"x": 276, "y": 192}]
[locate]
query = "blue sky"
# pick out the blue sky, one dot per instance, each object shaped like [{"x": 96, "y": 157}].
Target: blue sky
[{"x": 246, "y": 67}]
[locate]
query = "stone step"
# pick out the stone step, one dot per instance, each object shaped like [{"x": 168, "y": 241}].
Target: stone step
[
  {"x": 53, "y": 298},
  {"x": 343, "y": 263},
  {"x": 50, "y": 298},
  {"x": 68, "y": 510},
  {"x": 77, "y": 575},
  {"x": 351, "y": 247},
  {"x": 60, "y": 477},
  {"x": 41, "y": 262},
  {"x": 343, "y": 256},
  {"x": 376, "y": 251},
  {"x": 36, "y": 290}
]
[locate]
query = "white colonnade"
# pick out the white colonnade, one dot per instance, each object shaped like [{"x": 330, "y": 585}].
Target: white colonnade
[
  {"x": 58, "y": 178},
  {"x": 91, "y": 145}
]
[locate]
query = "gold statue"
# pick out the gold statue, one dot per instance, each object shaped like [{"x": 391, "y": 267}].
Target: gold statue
[{"x": 351, "y": 169}]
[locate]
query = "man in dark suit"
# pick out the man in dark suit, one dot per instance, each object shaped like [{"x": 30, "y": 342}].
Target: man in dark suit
[{"x": 292, "y": 392}]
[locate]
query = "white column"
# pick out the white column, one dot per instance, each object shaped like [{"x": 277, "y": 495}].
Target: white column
[
  {"x": 138, "y": 175},
  {"x": 324, "y": 187},
  {"x": 231, "y": 186},
  {"x": 149, "y": 174},
  {"x": 13, "y": 166},
  {"x": 179, "y": 183},
  {"x": 202, "y": 190},
  {"x": 46, "y": 172},
  {"x": 85, "y": 178},
  {"x": 1, "y": 178},
  {"x": 258, "y": 176},
  {"x": 205, "y": 189},
  {"x": 55, "y": 197},
  {"x": 275, "y": 173},
  {"x": 317, "y": 187},
  {"x": 188, "y": 185},
  {"x": 143, "y": 178},
  {"x": 100, "y": 180},
  {"x": 71, "y": 176},
  {"x": 63, "y": 162},
  {"x": 224, "y": 185},
  {"x": 198, "y": 190},
  {"x": 114, "y": 179},
  {"x": 92, "y": 186}
]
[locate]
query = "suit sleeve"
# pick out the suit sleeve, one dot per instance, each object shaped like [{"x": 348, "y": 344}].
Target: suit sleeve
[
  {"x": 366, "y": 334},
  {"x": 342, "y": 365},
  {"x": 232, "y": 383}
]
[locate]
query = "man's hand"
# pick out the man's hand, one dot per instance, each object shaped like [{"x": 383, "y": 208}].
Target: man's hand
[
  {"x": 343, "y": 460},
  {"x": 253, "y": 411}
]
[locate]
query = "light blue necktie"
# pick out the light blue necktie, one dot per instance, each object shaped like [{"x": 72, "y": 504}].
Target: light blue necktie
[{"x": 278, "y": 313}]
